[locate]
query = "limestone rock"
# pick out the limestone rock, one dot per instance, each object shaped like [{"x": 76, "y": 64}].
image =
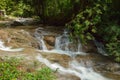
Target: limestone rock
[
  {"x": 58, "y": 58},
  {"x": 17, "y": 38},
  {"x": 49, "y": 41}
]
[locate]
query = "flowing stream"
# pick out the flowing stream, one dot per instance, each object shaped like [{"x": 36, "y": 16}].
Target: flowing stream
[
  {"x": 64, "y": 46},
  {"x": 5, "y": 48},
  {"x": 75, "y": 63}
]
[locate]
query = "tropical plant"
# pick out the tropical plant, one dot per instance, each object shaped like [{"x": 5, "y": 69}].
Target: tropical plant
[
  {"x": 84, "y": 25},
  {"x": 9, "y": 70}
]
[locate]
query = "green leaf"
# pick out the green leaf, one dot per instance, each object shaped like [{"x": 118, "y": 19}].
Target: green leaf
[
  {"x": 87, "y": 23},
  {"x": 93, "y": 30}
]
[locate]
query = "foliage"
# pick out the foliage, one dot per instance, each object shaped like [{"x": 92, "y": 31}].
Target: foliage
[
  {"x": 9, "y": 70},
  {"x": 99, "y": 20},
  {"x": 85, "y": 23},
  {"x": 2, "y": 4},
  {"x": 114, "y": 50},
  {"x": 16, "y": 8},
  {"x": 110, "y": 34},
  {"x": 113, "y": 42},
  {"x": 56, "y": 12},
  {"x": 43, "y": 74}
]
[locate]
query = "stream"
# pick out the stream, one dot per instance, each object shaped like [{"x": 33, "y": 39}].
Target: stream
[
  {"x": 73, "y": 60},
  {"x": 62, "y": 44}
]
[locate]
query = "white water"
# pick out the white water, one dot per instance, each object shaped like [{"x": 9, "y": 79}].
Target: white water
[
  {"x": 76, "y": 68},
  {"x": 100, "y": 48},
  {"x": 62, "y": 44},
  {"x": 5, "y": 48},
  {"x": 40, "y": 39},
  {"x": 24, "y": 21}
]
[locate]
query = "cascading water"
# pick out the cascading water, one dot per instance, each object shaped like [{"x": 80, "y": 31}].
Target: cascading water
[
  {"x": 62, "y": 42},
  {"x": 40, "y": 39},
  {"x": 64, "y": 46},
  {"x": 75, "y": 68},
  {"x": 100, "y": 48},
  {"x": 4, "y": 48}
]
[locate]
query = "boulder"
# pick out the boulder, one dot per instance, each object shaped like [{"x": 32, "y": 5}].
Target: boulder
[
  {"x": 49, "y": 41},
  {"x": 17, "y": 23},
  {"x": 89, "y": 47}
]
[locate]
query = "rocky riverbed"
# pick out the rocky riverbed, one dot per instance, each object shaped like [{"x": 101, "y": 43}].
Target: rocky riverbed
[{"x": 22, "y": 36}]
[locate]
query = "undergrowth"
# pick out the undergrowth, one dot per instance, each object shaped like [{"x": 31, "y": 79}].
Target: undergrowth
[{"x": 10, "y": 70}]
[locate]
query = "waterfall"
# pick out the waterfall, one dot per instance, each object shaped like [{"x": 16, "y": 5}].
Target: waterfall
[
  {"x": 100, "y": 48},
  {"x": 63, "y": 45},
  {"x": 39, "y": 37},
  {"x": 75, "y": 69},
  {"x": 62, "y": 42}
]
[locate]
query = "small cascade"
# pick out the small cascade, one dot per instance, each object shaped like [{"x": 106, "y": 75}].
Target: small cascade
[
  {"x": 100, "y": 48},
  {"x": 79, "y": 46},
  {"x": 4, "y": 48},
  {"x": 40, "y": 37},
  {"x": 62, "y": 42},
  {"x": 63, "y": 45},
  {"x": 75, "y": 68}
]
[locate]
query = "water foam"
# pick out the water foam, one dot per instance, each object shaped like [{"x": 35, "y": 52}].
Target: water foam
[
  {"x": 62, "y": 46},
  {"x": 75, "y": 68},
  {"x": 5, "y": 48}
]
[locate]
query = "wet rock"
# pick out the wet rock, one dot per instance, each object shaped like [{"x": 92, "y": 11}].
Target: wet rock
[
  {"x": 62, "y": 59},
  {"x": 106, "y": 66},
  {"x": 49, "y": 47},
  {"x": 17, "y": 38},
  {"x": 50, "y": 41},
  {"x": 17, "y": 23},
  {"x": 110, "y": 70},
  {"x": 89, "y": 47},
  {"x": 112, "y": 67},
  {"x": 112, "y": 76},
  {"x": 67, "y": 77},
  {"x": 3, "y": 34}
]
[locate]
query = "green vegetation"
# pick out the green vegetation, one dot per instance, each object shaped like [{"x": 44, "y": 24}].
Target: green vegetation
[
  {"x": 56, "y": 12},
  {"x": 21, "y": 8},
  {"x": 85, "y": 22},
  {"x": 100, "y": 21},
  {"x": 13, "y": 69},
  {"x": 109, "y": 29}
]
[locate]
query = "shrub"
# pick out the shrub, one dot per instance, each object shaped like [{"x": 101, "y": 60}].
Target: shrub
[{"x": 9, "y": 71}]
